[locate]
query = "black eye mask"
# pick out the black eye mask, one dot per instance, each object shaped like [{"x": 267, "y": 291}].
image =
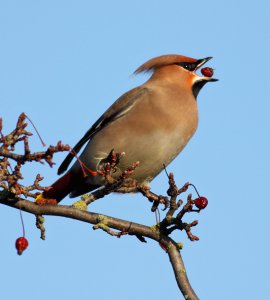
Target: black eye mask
[{"x": 187, "y": 66}]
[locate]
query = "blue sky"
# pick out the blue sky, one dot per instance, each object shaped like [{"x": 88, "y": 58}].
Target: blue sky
[{"x": 63, "y": 63}]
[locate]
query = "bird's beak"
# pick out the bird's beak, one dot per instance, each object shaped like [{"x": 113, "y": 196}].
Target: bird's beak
[{"x": 200, "y": 63}]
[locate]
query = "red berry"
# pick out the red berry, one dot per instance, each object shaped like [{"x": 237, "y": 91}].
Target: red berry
[
  {"x": 201, "y": 202},
  {"x": 207, "y": 72},
  {"x": 21, "y": 244}
]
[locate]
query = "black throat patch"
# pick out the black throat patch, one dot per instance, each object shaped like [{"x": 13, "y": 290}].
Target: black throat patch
[{"x": 197, "y": 86}]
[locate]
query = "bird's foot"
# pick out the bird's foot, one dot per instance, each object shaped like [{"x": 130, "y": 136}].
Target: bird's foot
[{"x": 129, "y": 185}]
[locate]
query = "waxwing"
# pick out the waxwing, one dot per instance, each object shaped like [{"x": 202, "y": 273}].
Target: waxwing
[{"x": 151, "y": 123}]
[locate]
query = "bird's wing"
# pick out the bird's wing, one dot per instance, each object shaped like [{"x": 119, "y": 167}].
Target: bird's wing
[{"x": 119, "y": 108}]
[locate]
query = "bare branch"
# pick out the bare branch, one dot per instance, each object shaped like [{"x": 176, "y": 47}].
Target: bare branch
[
  {"x": 12, "y": 191},
  {"x": 128, "y": 227},
  {"x": 180, "y": 273},
  {"x": 11, "y": 162}
]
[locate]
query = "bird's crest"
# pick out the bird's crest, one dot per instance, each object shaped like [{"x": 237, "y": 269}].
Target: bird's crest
[{"x": 163, "y": 60}]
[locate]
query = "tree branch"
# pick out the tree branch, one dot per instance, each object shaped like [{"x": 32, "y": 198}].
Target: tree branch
[
  {"x": 12, "y": 193},
  {"x": 131, "y": 228},
  {"x": 180, "y": 273}
]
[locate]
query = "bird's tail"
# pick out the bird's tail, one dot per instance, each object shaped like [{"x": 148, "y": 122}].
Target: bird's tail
[{"x": 60, "y": 188}]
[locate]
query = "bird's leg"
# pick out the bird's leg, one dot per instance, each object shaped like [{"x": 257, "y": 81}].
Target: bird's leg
[{"x": 129, "y": 185}]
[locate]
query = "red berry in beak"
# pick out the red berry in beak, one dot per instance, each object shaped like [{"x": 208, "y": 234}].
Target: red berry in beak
[
  {"x": 207, "y": 72},
  {"x": 21, "y": 244},
  {"x": 201, "y": 202}
]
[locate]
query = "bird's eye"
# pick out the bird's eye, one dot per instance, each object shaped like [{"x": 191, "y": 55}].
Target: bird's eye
[{"x": 187, "y": 66}]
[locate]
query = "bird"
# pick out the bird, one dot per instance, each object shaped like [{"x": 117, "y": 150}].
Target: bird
[{"x": 151, "y": 123}]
